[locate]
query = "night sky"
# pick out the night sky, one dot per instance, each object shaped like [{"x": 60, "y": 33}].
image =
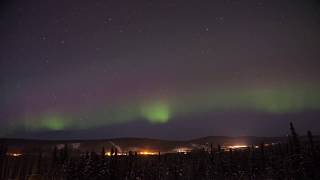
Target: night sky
[{"x": 173, "y": 69}]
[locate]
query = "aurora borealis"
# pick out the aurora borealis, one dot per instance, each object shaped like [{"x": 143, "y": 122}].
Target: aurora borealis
[{"x": 167, "y": 69}]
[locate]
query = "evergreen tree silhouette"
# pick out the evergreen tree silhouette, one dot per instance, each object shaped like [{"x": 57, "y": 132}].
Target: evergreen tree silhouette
[
  {"x": 295, "y": 139},
  {"x": 103, "y": 152},
  {"x": 112, "y": 151}
]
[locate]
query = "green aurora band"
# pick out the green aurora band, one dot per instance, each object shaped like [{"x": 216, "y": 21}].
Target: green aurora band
[{"x": 160, "y": 110}]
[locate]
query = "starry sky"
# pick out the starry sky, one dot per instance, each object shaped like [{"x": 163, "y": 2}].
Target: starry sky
[{"x": 172, "y": 69}]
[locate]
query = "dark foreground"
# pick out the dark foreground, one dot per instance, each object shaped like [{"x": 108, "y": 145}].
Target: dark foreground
[{"x": 290, "y": 160}]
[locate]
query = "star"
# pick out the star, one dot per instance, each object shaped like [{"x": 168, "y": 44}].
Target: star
[
  {"x": 108, "y": 20},
  {"x": 43, "y": 38}
]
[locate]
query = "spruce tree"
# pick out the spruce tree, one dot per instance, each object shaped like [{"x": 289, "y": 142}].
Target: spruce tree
[{"x": 295, "y": 139}]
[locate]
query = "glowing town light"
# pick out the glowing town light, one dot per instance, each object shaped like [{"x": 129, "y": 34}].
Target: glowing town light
[
  {"x": 118, "y": 154},
  {"x": 147, "y": 153},
  {"x": 14, "y": 154},
  {"x": 237, "y": 146},
  {"x": 182, "y": 150}
]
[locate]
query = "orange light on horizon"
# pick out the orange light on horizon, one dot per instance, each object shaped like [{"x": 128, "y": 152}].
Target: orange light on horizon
[
  {"x": 147, "y": 153},
  {"x": 14, "y": 154},
  {"x": 240, "y": 146},
  {"x": 139, "y": 153}
]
